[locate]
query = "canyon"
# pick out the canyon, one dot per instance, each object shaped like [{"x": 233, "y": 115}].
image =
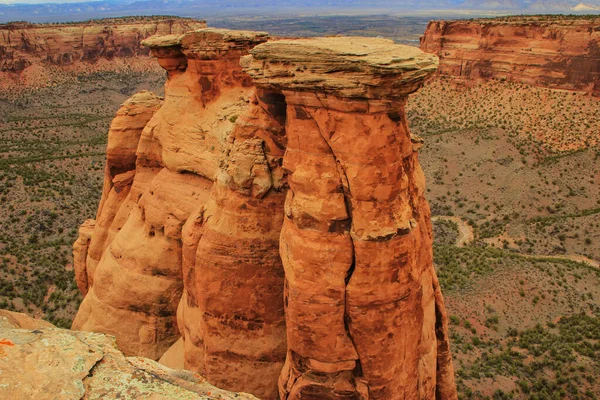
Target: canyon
[
  {"x": 220, "y": 197},
  {"x": 32, "y": 54},
  {"x": 548, "y": 51},
  {"x": 265, "y": 223}
]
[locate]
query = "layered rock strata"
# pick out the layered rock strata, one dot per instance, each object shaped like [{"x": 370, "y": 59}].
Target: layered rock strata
[
  {"x": 193, "y": 226},
  {"x": 555, "y": 52},
  {"x": 123, "y": 139},
  {"x": 23, "y": 44},
  {"x": 277, "y": 208},
  {"x": 364, "y": 313}
]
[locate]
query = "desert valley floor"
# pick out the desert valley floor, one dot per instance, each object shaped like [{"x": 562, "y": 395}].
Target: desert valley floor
[
  {"x": 524, "y": 314},
  {"x": 513, "y": 181}
]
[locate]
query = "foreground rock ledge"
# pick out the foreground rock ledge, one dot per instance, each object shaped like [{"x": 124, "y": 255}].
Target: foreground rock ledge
[
  {"x": 364, "y": 312},
  {"x": 270, "y": 225},
  {"x": 39, "y": 361}
]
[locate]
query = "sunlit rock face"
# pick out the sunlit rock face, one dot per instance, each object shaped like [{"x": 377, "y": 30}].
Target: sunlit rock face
[
  {"x": 271, "y": 231},
  {"x": 549, "y": 51},
  {"x": 23, "y": 44},
  {"x": 364, "y": 312},
  {"x": 162, "y": 159}
]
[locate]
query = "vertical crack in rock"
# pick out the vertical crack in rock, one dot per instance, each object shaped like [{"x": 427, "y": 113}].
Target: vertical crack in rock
[
  {"x": 347, "y": 202},
  {"x": 90, "y": 375}
]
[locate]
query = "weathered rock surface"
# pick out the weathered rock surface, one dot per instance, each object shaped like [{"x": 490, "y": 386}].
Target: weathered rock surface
[
  {"x": 23, "y": 44},
  {"x": 23, "y": 321},
  {"x": 544, "y": 51},
  {"x": 39, "y": 361},
  {"x": 364, "y": 313},
  {"x": 351, "y": 67},
  {"x": 274, "y": 227},
  {"x": 170, "y": 234},
  {"x": 123, "y": 138}
]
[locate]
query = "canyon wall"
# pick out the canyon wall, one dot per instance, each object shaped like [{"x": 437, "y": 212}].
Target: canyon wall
[
  {"x": 265, "y": 225},
  {"x": 554, "y": 52},
  {"x": 24, "y": 44}
]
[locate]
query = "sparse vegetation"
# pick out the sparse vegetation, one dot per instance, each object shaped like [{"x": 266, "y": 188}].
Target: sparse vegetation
[
  {"x": 523, "y": 325},
  {"x": 52, "y": 151}
]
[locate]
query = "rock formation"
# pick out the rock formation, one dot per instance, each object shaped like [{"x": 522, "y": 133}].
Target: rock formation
[
  {"x": 39, "y": 361},
  {"x": 165, "y": 229},
  {"x": 123, "y": 138},
  {"x": 277, "y": 209},
  {"x": 556, "y": 52},
  {"x": 364, "y": 314},
  {"x": 24, "y": 44}
]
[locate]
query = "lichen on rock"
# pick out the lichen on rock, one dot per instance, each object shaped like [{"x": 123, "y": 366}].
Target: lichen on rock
[{"x": 39, "y": 361}]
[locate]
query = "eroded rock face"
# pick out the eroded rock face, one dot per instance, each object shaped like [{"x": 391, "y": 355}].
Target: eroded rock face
[
  {"x": 197, "y": 225},
  {"x": 40, "y": 361},
  {"x": 556, "y": 53},
  {"x": 22, "y": 44},
  {"x": 364, "y": 313},
  {"x": 123, "y": 138},
  {"x": 275, "y": 228},
  {"x": 232, "y": 309}
]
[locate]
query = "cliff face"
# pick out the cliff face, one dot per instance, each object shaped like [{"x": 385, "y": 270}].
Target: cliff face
[
  {"x": 554, "y": 53},
  {"x": 23, "y": 45},
  {"x": 270, "y": 227}
]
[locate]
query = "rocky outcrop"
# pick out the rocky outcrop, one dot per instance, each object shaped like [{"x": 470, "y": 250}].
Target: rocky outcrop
[
  {"x": 23, "y": 44},
  {"x": 123, "y": 138},
  {"x": 364, "y": 314},
  {"x": 169, "y": 234},
  {"x": 274, "y": 227},
  {"x": 40, "y": 361},
  {"x": 550, "y": 51}
]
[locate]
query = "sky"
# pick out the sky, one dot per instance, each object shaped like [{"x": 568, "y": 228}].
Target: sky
[{"x": 40, "y": 1}]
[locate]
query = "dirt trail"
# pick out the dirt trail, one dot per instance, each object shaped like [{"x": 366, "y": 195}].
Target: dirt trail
[
  {"x": 466, "y": 236},
  {"x": 465, "y": 231}
]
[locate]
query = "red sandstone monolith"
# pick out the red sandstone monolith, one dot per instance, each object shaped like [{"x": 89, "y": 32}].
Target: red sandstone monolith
[{"x": 365, "y": 317}]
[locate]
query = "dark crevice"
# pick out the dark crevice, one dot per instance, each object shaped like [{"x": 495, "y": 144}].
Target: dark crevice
[
  {"x": 350, "y": 271},
  {"x": 276, "y": 106},
  {"x": 395, "y": 116},
  {"x": 439, "y": 319}
]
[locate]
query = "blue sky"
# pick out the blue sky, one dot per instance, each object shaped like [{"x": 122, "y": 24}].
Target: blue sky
[{"x": 40, "y": 1}]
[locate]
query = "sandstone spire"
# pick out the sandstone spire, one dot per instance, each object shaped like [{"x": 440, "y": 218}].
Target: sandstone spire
[
  {"x": 231, "y": 314},
  {"x": 272, "y": 226},
  {"x": 135, "y": 279},
  {"x": 364, "y": 313}
]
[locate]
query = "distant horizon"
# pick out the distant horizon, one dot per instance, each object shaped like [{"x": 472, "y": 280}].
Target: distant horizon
[
  {"x": 29, "y": 2},
  {"x": 62, "y": 11}
]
